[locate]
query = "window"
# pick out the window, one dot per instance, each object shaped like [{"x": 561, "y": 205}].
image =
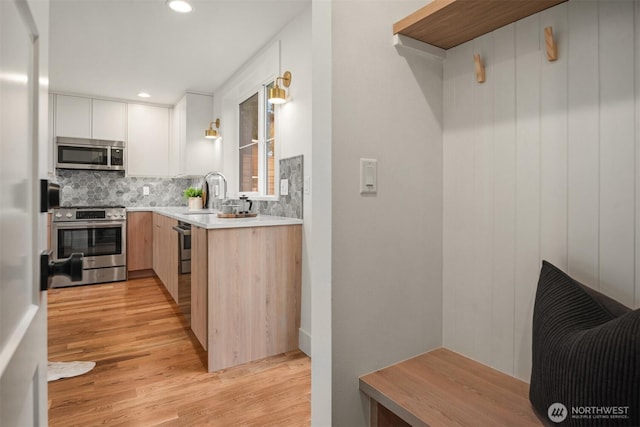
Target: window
[
  {"x": 256, "y": 145},
  {"x": 248, "y": 145},
  {"x": 270, "y": 144}
]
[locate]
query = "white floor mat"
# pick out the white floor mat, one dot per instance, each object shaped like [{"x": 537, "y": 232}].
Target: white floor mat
[{"x": 57, "y": 370}]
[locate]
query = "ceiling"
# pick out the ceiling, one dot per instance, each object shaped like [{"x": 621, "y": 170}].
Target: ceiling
[{"x": 117, "y": 48}]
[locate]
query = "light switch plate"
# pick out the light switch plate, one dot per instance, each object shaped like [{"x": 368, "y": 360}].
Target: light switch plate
[
  {"x": 368, "y": 176},
  {"x": 284, "y": 187},
  {"x": 145, "y": 190}
]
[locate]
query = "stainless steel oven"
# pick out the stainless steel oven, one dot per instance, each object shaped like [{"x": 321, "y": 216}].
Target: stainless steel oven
[
  {"x": 100, "y": 234},
  {"x": 94, "y": 154}
]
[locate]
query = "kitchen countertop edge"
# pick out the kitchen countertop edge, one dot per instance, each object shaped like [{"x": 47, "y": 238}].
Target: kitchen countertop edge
[{"x": 210, "y": 222}]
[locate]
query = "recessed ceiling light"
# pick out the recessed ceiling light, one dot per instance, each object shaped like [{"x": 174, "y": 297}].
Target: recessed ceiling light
[
  {"x": 179, "y": 6},
  {"x": 144, "y": 95}
]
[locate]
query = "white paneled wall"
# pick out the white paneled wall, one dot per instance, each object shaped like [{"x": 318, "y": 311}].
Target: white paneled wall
[{"x": 540, "y": 162}]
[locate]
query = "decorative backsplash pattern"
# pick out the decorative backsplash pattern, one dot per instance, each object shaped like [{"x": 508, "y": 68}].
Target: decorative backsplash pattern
[
  {"x": 93, "y": 188},
  {"x": 289, "y": 206}
]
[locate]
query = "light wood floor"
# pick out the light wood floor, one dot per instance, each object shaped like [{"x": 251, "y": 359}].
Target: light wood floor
[{"x": 150, "y": 368}]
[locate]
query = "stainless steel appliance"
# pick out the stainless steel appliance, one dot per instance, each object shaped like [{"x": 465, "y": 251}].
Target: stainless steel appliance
[
  {"x": 184, "y": 268},
  {"x": 100, "y": 234},
  {"x": 95, "y": 154},
  {"x": 184, "y": 247}
]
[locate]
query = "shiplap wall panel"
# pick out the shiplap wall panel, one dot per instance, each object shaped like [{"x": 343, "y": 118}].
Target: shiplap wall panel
[
  {"x": 527, "y": 184},
  {"x": 449, "y": 204},
  {"x": 563, "y": 174},
  {"x": 465, "y": 85},
  {"x": 553, "y": 142},
  {"x": 483, "y": 202},
  {"x": 504, "y": 192},
  {"x": 454, "y": 154},
  {"x": 617, "y": 150},
  {"x": 584, "y": 142}
]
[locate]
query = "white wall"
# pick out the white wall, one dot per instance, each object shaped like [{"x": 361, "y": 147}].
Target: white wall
[
  {"x": 540, "y": 162},
  {"x": 293, "y": 127},
  {"x": 386, "y": 250},
  {"x": 320, "y": 247}
]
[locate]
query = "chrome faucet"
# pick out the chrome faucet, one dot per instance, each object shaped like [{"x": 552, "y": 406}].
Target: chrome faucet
[{"x": 205, "y": 187}]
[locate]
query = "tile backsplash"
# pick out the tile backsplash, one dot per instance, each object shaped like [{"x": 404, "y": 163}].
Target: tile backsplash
[
  {"x": 88, "y": 188},
  {"x": 289, "y": 206}
]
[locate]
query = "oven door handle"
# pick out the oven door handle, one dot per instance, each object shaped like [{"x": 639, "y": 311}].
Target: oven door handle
[
  {"x": 183, "y": 231},
  {"x": 75, "y": 225}
]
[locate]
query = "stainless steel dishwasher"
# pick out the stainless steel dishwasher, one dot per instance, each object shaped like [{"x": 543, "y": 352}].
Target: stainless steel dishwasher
[
  {"x": 184, "y": 268},
  {"x": 184, "y": 247}
]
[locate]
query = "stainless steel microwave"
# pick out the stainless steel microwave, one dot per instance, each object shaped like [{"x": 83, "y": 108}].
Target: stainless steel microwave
[{"x": 95, "y": 154}]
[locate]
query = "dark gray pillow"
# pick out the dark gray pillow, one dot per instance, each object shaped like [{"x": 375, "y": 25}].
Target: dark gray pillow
[{"x": 586, "y": 354}]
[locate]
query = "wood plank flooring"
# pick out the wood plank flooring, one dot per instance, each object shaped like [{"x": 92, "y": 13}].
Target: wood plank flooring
[{"x": 150, "y": 368}]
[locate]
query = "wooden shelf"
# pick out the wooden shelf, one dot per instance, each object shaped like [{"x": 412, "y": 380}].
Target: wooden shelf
[{"x": 448, "y": 23}]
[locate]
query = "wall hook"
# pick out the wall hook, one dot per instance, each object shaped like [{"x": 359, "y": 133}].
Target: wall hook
[
  {"x": 480, "y": 77},
  {"x": 552, "y": 47}
]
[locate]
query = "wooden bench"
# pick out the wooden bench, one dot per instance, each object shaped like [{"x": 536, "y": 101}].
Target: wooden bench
[{"x": 443, "y": 388}]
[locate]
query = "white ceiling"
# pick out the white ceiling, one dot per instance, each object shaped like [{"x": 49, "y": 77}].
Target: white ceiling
[{"x": 117, "y": 48}]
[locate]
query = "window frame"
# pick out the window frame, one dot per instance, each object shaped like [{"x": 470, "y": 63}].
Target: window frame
[{"x": 263, "y": 178}]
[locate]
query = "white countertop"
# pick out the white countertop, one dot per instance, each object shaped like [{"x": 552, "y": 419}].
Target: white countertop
[{"x": 209, "y": 219}]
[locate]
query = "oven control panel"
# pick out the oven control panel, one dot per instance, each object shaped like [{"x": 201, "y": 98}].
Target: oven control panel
[{"x": 89, "y": 214}]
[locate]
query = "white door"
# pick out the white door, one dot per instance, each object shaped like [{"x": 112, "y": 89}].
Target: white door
[{"x": 23, "y": 335}]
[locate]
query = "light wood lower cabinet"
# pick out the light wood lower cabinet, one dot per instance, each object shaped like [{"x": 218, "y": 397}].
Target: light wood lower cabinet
[
  {"x": 165, "y": 252},
  {"x": 254, "y": 284},
  {"x": 139, "y": 244},
  {"x": 245, "y": 288},
  {"x": 199, "y": 282}
]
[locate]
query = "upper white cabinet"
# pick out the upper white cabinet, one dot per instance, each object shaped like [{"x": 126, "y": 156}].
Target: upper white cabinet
[
  {"x": 148, "y": 140},
  {"x": 73, "y": 116},
  {"x": 108, "y": 120},
  {"x": 81, "y": 117},
  {"x": 191, "y": 152},
  {"x": 178, "y": 138}
]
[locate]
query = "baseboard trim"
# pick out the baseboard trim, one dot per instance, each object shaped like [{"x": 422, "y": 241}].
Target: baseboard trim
[
  {"x": 304, "y": 341},
  {"x": 137, "y": 274}
]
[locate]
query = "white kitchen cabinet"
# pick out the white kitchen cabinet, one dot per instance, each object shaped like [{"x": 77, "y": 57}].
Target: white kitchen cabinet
[
  {"x": 147, "y": 140},
  {"x": 73, "y": 116},
  {"x": 108, "y": 120},
  {"x": 192, "y": 153},
  {"x": 178, "y": 138},
  {"x": 80, "y": 117}
]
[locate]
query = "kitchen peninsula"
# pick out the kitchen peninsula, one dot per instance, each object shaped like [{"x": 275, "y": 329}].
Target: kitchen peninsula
[{"x": 245, "y": 278}]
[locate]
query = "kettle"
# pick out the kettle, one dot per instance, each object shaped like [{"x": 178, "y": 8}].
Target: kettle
[{"x": 243, "y": 205}]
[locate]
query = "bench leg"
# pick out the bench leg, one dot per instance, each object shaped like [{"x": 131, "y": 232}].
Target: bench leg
[{"x": 380, "y": 416}]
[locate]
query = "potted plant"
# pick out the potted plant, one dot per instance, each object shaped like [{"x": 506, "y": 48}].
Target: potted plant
[{"x": 194, "y": 195}]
